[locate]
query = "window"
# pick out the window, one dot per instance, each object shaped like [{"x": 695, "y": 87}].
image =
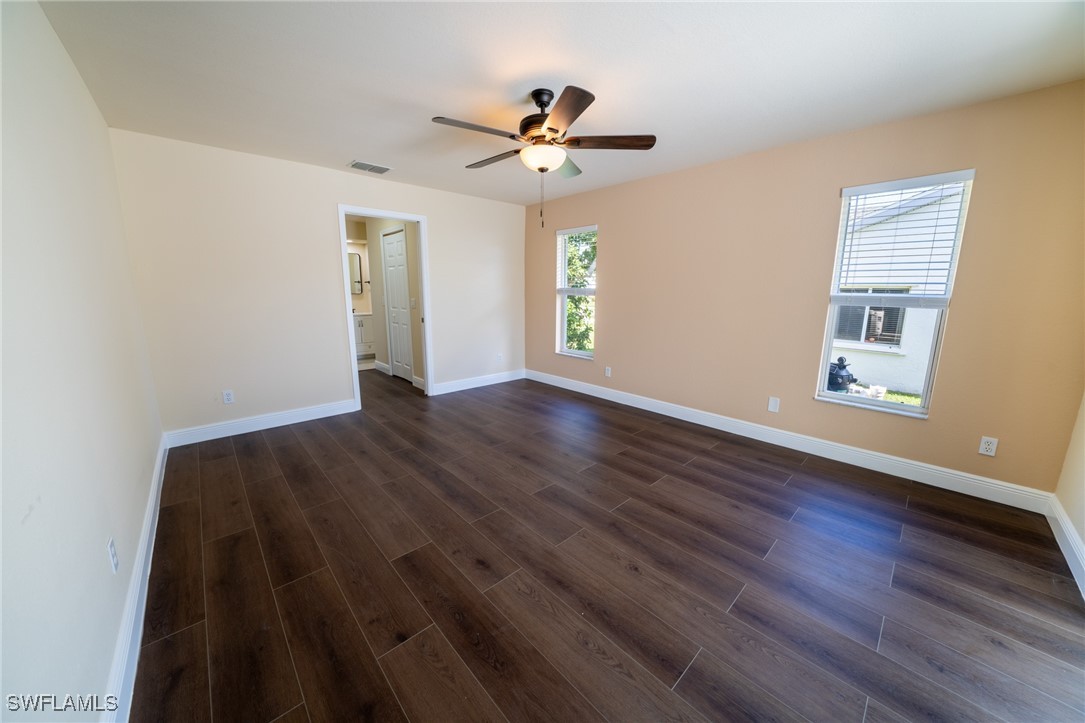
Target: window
[
  {"x": 892, "y": 283},
  {"x": 576, "y": 291},
  {"x": 871, "y": 324}
]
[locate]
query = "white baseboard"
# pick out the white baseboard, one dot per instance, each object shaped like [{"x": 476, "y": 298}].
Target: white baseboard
[
  {"x": 419, "y": 382},
  {"x": 122, "y": 675},
  {"x": 472, "y": 382},
  {"x": 179, "y": 437},
  {"x": 1019, "y": 496},
  {"x": 382, "y": 367},
  {"x": 1069, "y": 539}
]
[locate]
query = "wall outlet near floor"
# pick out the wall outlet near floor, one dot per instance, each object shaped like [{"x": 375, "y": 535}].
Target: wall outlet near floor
[
  {"x": 606, "y": 371},
  {"x": 500, "y": 356},
  {"x": 774, "y": 404},
  {"x": 114, "y": 561},
  {"x": 227, "y": 396},
  {"x": 988, "y": 446}
]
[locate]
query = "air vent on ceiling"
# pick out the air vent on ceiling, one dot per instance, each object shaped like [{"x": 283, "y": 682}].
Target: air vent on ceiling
[{"x": 369, "y": 167}]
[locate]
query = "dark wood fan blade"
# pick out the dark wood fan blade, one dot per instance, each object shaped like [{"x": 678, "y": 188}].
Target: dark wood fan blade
[
  {"x": 567, "y": 108},
  {"x": 569, "y": 169},
  {"x": 475, "y": 127},
  {"x": 627, "y": 143},
  {"x": 495, "y": 159}
]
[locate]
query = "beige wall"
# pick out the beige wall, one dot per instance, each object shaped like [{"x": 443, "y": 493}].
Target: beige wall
[
  {"x": 211, "y": 231},
  {"x": 713, "y": 285},
  {"x": 356, "y": 230},
  {"x": 81, "y": 428},
  {"x": 1071, "y": 488}
]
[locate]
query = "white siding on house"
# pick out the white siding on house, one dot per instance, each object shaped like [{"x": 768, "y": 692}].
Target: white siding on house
[{"x": 902, "y": 368}]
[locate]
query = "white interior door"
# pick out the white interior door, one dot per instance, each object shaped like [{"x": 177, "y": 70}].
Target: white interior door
[{"x": 394, "y": 253}]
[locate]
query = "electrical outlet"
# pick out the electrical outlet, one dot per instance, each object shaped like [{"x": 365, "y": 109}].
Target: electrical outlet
[
  {"x": 606, "y": 371},
  {"x": 227, "y": 396},
  {"x": 114, "y": 561},
  {"x": 988, "y": 446},
  {"x": 500, "y": 356},
  {"x": 774, "y": 404}
]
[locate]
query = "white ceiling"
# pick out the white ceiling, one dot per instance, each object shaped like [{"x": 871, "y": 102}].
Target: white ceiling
[{"x": 327, "y": 83}]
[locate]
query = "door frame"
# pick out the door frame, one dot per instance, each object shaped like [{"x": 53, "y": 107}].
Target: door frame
[{"x": 423, "y": 265}]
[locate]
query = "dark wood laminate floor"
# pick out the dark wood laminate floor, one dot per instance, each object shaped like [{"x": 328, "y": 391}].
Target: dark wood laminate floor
[{"x": 519, "y": 552}]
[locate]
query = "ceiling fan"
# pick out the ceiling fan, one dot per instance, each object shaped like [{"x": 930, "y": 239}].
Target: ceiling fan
[{"x": 545, "y": 133}]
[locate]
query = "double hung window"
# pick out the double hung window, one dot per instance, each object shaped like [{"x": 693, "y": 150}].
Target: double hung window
[
  {"x": 892, "y": 283},
  {"x": 576, "y": 291}
]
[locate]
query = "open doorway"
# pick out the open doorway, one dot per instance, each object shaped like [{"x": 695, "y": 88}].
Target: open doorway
[{"x": 387, "y": 293}]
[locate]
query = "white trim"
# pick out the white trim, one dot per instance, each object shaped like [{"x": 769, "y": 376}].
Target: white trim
[
  {"x": 178, "y": 437},
  {"x": 903, "y": 183},
  {"x": 858, "y": 401},
  {"x": 576, "y": 354},
  {"x": 1069, "y": 539},
  {"x": 578, "y": 229},
  {"x": 382, "y": 367},
  {"x": 419, "y": 382},
  {"x": 122, "y": 674},
  {"x": 423, "y": 267},
  {"x": 352, "y": 341},
  {"x": 423, "y": 261},
  {"x": 1025, "y": 498},
  {"x": 472, "y": 382},
  {"x": 898, "y": 301}
]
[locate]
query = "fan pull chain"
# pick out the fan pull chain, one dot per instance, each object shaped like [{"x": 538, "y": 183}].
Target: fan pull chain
[{"x": 542, "y": 201}]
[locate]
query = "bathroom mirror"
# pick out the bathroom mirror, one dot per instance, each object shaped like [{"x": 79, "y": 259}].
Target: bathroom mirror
[{"x": 355, "y": 262}]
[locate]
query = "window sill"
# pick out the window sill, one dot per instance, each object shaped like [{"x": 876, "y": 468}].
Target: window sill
[
  {"x": 854, "y": 400},
  {"x": 577, "y": 354},
  {"x": 869, "y": 348}
]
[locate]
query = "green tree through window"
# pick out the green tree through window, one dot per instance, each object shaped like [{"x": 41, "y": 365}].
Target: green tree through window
[{"x": 576, "y": 289}]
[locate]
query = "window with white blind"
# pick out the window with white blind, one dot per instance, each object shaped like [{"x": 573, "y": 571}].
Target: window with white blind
[
  {"x": 892, "y": 283},
  {"x": 576, "y": 291}
]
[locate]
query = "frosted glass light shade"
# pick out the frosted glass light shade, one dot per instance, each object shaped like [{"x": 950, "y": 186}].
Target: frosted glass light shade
[{"x": 543, "y": 157}]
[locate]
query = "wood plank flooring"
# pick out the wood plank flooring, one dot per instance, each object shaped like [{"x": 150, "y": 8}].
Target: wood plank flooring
[{"x": 519, "y": 552}]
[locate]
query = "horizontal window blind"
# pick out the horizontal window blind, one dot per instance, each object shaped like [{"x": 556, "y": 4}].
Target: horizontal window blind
[{"x": 905, "y": 234}]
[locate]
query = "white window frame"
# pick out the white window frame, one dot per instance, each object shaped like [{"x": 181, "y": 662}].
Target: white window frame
[
  {"x": 939, "y": 302},
  {"x": 564, "y": 292}
]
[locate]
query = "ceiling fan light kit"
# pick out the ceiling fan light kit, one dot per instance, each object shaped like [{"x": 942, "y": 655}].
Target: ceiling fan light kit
[
  {"x": 543, "y": 157},
  {"x": 545, "y": 133}
]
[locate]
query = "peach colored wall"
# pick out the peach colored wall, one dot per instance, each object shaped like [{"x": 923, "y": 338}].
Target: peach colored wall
[{"x": 713, "y": 284}]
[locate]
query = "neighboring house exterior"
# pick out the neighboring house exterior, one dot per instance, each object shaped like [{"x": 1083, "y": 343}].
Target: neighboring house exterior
[
  {"x": 900, "y": 367},
  {"x": 890, "y": 346}
]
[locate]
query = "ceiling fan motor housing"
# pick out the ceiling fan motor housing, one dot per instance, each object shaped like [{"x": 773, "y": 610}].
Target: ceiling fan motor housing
[
  {"x": 532, "y": 125},
  {"x": 535, "y": 124}
]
